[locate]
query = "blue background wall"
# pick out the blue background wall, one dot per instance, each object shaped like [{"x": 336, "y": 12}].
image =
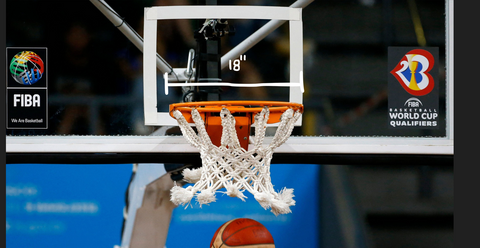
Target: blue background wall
[
  {"x": 297, "y": 229},
  {"x": 65, "y": 205},
  {"x": 82, "y": 206}
]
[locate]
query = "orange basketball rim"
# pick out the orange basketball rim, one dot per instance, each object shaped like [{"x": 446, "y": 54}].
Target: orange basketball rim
[{"x": 243, "y": 111}]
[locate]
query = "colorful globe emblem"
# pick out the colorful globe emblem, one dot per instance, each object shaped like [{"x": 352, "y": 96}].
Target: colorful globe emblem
[{"x": 26, "y": 67}]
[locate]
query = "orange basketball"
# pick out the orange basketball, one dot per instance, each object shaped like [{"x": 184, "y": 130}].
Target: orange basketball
[{"x": 242, "y": 232}]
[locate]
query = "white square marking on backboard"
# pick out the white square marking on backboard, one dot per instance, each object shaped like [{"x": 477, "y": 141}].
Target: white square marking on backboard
[{"x": 153, "y": 14}]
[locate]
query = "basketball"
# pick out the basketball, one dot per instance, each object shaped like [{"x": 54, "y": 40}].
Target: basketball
[{"x": 242, "y": 232}]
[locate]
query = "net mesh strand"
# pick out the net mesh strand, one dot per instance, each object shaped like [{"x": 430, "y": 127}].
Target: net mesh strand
[{"x": 231, "y": 167}]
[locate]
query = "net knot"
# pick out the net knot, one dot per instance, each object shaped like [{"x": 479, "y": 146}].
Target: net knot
[
  {"x": 233, "y": 191},
  {"x": 192, "y": 175},
  {"x": 206, "y": 196},
  {"x": 180, "y": 195}
]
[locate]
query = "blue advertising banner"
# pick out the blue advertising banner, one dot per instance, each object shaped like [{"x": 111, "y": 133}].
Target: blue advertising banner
[
  {"x": 73, "y": 206},
  {"x": 77, "y": 206}
]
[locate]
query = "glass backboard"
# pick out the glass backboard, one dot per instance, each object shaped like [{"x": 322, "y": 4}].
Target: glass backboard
[{"x": 354, "y": 60}]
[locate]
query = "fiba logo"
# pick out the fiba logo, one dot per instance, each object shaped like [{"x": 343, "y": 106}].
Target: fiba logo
[
  {"x": 412, "y": 72},
  {"x": 26, "y": 67},
  {"x": 413, "y": 103}
]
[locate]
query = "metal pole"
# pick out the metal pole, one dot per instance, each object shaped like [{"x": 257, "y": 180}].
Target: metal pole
[
  {"x": 129, "y": 32},
  {"x": 258, "y": 35}
]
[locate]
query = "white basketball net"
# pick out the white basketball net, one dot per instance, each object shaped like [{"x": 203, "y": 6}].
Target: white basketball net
[{"x": 231, "y": 167}]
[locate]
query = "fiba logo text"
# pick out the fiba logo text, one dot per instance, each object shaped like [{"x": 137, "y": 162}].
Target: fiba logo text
[
  {"x": 413, "y": 103},
  {"x": 412, "y": 72},
  {"x": 26, "y": 100},
  {"x": 26, "y": 67}
]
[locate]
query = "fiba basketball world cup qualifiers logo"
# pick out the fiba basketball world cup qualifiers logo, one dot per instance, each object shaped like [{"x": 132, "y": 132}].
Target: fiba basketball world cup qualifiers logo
[
  {"x": 413, "y": 89},
  {"x": 412, "y": 72},
  {"x": 26, "y": 67}
]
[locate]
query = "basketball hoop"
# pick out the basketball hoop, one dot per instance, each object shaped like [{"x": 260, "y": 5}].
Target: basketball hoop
[{"x": 227, "y": 162}]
